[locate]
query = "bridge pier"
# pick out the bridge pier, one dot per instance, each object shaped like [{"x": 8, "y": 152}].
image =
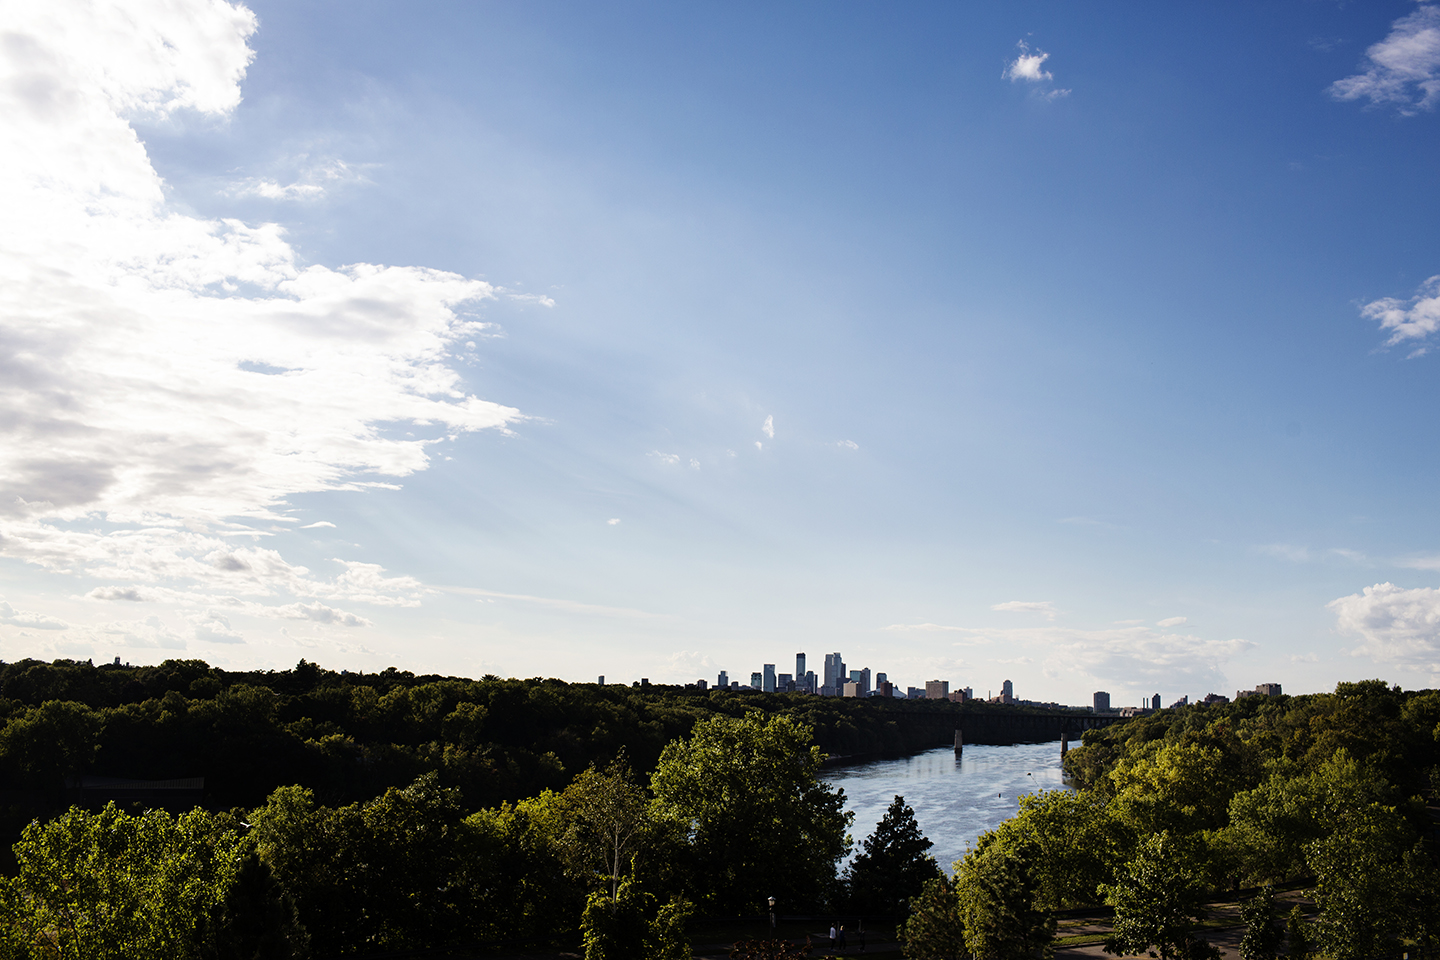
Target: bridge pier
[
  {"x": 1064, "y": 742},
  {"x": 959, "y": 741}
]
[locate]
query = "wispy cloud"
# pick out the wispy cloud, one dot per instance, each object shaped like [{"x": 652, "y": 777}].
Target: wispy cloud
[
  {"x": 1044, "y": 608},
  {"x": 171, "y": 380},
  {"x": 768, "y": 427},
  {"x": 569, "y": 606},
  {"x": 25, "y": 618},
  {"x": 316, "y": 179},
  {"x": 847, "y": 444},
  {"x": 1171, "y": 622},
  {"x": 670, "y": 459},
  {"x": 1403, "y": 69}
]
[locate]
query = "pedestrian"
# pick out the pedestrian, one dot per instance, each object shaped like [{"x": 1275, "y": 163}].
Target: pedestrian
[
  {"x": 841, "y": 942},
  {"x": 832, "y": 923}
]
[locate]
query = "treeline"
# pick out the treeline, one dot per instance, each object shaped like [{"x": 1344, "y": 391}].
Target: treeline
[
  {"x": 350, "y": 736},
  {"x": 1325, "y": 793},
  {"x": 731, "y": 815}
]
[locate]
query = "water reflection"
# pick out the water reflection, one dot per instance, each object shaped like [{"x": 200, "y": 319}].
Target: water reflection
[{"x": 954, "y": 801}]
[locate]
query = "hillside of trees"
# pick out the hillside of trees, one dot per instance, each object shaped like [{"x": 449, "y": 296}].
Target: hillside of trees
[
  {"x": 353, "y": 814},
  {"x": 1325, "y": 794}
]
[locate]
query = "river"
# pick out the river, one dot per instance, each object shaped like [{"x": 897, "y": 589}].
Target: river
[{"x": 954, "y": 801}]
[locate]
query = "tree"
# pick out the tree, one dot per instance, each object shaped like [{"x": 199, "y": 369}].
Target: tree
[
  {"x": 999, "y": 889},
  {"x": 746, "y": 797},
  {"x": 257, "y": 918},
  {"x": 1375, "y": 885},
  {"x": 893, "y": 867},
  {"x": 51, "y": 742},
  {"x": 1263, "y": 935},
  {"x": 606, "y": 816},
  {"x": 109, "y": 886},
  {"x": 934, "y": 929},
  {"x": 1157, "y": 901}
]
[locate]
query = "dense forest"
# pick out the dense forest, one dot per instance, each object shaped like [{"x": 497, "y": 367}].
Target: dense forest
[
  {"x": 350, "y": 814},
  {"x": 1330, "y": 797}
]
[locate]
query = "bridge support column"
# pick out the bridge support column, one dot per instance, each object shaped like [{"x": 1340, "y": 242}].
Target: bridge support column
[
  {"x": 1064, "y": 742},
  {"x": 959, "y": 741}
]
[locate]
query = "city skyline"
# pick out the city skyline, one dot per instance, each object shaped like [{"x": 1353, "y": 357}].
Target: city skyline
[{"x": 972, "y": 340}]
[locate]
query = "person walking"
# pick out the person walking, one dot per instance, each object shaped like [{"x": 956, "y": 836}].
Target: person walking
[
  {"x": 841, "y": 942},
  {"x": 832, "y": 934}
]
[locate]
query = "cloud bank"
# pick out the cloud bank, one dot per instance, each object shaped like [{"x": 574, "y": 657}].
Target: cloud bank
[
  {"x": 1393, "y": 624},
  {"x": 1413, "y": 319},
  {"x": 167, "y": 382}
]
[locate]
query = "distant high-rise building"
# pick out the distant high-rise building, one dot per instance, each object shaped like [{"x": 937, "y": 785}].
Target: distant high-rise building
[
  {"x": 1268, "y": 689},
  {"x": 937, "y": 689},
  {"x": 914, "y": 693},
  {"x": 799, "y": 666},
  {"x": 702, "y": 684},
  {"x": 884, "y": 688},
  {"x": 1007, "y": 691},
  {"x": 601, "y": 681},
  {"x": 757, "y": 681},
  {"x": 834, "y": 673},
  {"x": 1102, "y": 701},
  {"x": 862, "y": 677},
  {"x": 784, "y": 683},
  {"x": 1155, "y": 703},
  {"x": 851, "y": 689},
  {"x": 810, "y": 685},
  {"x": 723, "y": 681},
  {"x": 769, "y": 680},
  {"x": 880, "y": 678}
]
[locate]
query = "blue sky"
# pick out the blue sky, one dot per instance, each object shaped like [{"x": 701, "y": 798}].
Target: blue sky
[{"x": 1081, "y": 345}]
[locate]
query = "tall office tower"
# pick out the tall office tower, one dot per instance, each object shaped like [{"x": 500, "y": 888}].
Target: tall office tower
[
  {"x": 1007, "y": 692},
  {"x": 799, "y": 666},
  {"x": 810, "y": 685},
  {"x": 769, "y": 680},
  {"x": 937, "y": 689},
  {"x": 1155, "y": 704},
  {"x": 879, "y": 679},
  {"x": 784, "y": 683},
  {"x": 865, "y": 682},
  {"x": 602, "y": 679},
  {"x": 723, "y": 681},
  {"x": 831, "y": 659},
  {"x": 1102, "y": 701},
  {"x": 757, "y": 681}
]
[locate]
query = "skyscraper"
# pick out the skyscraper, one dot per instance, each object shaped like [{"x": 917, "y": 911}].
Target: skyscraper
[
  {"x": 799, "y": 666},
  {"x": 769, "y": 679},
  {"x": 757, "y": 681},
  {"x": 723, "y": 681},
  {"x": 1102, "y": 701},
  {"x": 834, "y": 673},
  {"x": 1007, "y": 692}
]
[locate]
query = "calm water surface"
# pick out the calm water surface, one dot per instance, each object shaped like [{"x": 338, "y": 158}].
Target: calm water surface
[{"x": 954, "y": 801}]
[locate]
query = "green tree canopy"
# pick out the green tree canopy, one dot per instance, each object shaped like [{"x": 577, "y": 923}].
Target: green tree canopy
[{"x": 745, "y": 794}]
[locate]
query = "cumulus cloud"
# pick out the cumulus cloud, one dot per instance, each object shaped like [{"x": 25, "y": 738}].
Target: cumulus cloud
[
  {"x": 1043, "y": 607},
  {"x": 1393, "y": 624},
  {"x": 172, "y": 380},
  {"x": 25, "y": 618},
  {"x": 215, "y": 628},
  {"x": 1403, "y": 69},
  {"x": 1136, "y": 656},
  {"x": 1029, "y": 67},
  {"x": 613, "y": 521},
  {"x": 1414, "y": 319}
]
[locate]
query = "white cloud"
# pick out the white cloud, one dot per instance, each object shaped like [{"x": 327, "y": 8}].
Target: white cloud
[
  {"x": 1413, "y": 319},
  {"x": 1030, "y": 68},
  {"x": 1043, "y": 607},
  {"x": 759, "y": 445},
  {"x": 317, "y": 524},
  {"x": 694, "y": 464},
  {"x": 670, "y": 459},
  {"x": 847, "y": 444},
  {"x": 170, "y": 380},
  {"x": 130, "y": 594},
  {"x": 214, "y": 628},
  {"x": 314, "y": 182},
  {"x": 1171, "y": 621},
  {"x": 768, "y": 427},
  {"x": 1393, "y": 624},
  {"x": 1403, "y": 69},
  {"x": 25, "y": 618},
  {"x": 613, "y": 521}
]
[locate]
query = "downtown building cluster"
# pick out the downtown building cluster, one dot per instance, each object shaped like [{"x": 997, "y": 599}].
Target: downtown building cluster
[{"x": 835, "y": 680}]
